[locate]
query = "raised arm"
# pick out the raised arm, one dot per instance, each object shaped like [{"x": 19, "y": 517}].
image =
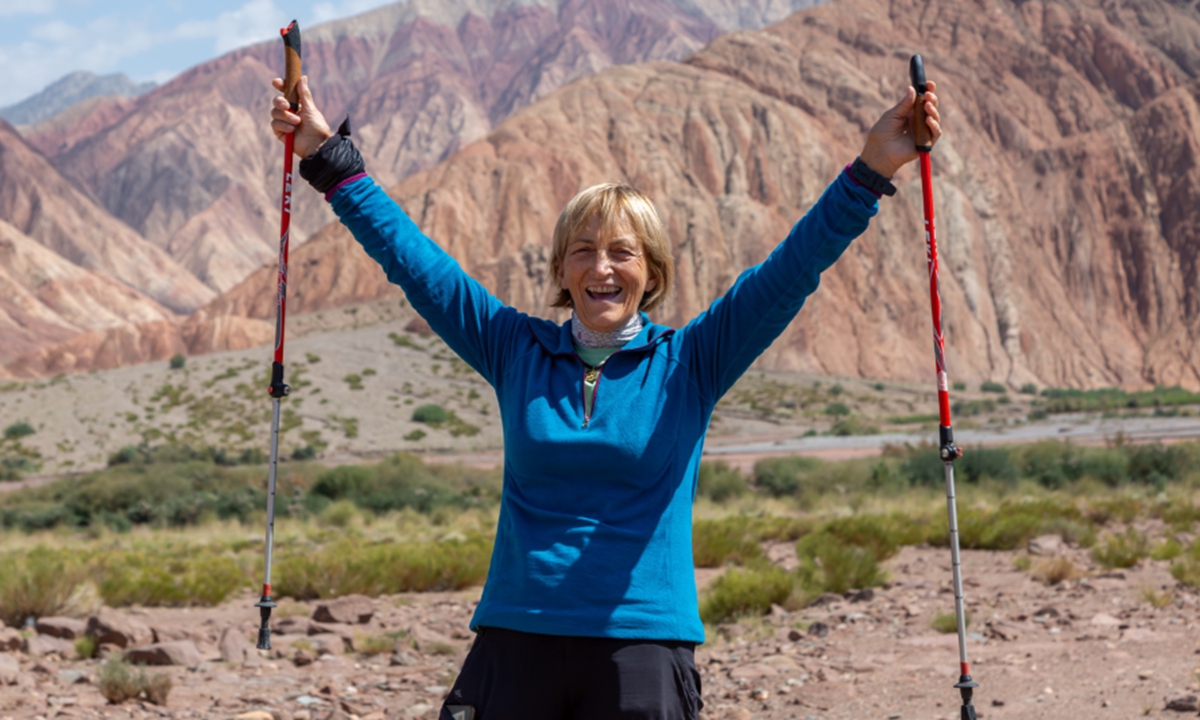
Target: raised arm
[
  {"x": 473, "y": 322},
  {"x": 725, "y": 339}
]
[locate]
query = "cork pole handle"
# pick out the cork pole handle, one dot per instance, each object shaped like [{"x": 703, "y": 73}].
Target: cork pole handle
[{"x": 291, "y": 44}]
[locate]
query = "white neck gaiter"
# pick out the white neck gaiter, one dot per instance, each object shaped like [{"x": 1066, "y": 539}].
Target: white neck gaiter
[{"x": 614, "y": 338}]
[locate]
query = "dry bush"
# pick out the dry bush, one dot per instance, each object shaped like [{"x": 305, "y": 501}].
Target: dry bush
[
  {"x": 1157, "y": 599},
  {"x": 119, "y": 682},
  {"x": 948, "y": 622},
  {"x": 1052, "y": 571}
]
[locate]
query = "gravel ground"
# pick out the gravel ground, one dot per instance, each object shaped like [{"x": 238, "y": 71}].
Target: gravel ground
[{"x": 1094, "y": 647}]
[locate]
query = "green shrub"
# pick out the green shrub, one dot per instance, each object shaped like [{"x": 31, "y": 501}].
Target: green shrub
[
  {"x": 1028, "y": 389},
  {"x": 119, "y": 681},
  {"x": 1180, "y": 515},
  {"x": 780, "y": 477},
  {"x": 1168, "y": 549},
  {"x": 178, "y": 361},
  {"x": 837, "y": 409},
  {"x": 305, "y": 452},
  {"x": 979, "y": 462},
  {"x": 404, "y": 481},
  {"x": 960, "y": 386},
  {"x": 85, "y": 647},
  {"x": 992, "y": 387},
  {"x": 853, "y": 425},
  {"x": 1122, "y": 551},
  {"x": 948, "y": 622},
  {"x": 836, "y": 389},
  {"x": 719, "y": 482},
  {"x": 430, "y": 414},
  {"x": 971, "y": 408},
  {"x": 18, "y": 430},
  {"x": 348, "y": 567},
  {"x": 829, "y": 564},
  {"x": 415, "y": 435},
  {"x": 1187, "y": 570},
  {"x": 1122, "y": 509},
  {"x": 163, "y": 577},
  {"x": 354, "y": 380},
  {"x": 1156, "y": 464},
  {"x": 748, "y": 591},
  {"x": 717, "y": 542},
  {"x": 37, "y": 583}
]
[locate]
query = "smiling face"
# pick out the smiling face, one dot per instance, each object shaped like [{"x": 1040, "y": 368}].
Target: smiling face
[{"x": 606, "y": 274}]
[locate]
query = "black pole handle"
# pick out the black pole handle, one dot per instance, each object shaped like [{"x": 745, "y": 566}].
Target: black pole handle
[
  {"x": 922, "y": 135},
  {"x": 291, "y": 52}
]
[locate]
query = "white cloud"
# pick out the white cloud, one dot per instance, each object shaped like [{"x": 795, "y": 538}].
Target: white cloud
[
  {"x": 324, "y": 11},
  {"x": 11, "y": 8},
  {"x": 57, "y": 48},
  {"x": 249, "y": 24}
]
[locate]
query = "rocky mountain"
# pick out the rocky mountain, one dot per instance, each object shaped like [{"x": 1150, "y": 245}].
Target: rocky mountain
[
  {"x": 37, "y": 201},
  {"x": 45, "y": 299},
  {"x": 1067, "y": 187},
  {"x": 193, "y": 168},
  {"x": 70, "y": 90}
]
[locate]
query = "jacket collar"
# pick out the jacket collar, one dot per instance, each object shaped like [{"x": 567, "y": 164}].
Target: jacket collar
[{"x": 557, "y": 339}]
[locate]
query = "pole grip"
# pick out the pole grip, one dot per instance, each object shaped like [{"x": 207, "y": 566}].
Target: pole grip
[
  {"x": 922, "y": 135},
  {"x": 291, "y": 52}
]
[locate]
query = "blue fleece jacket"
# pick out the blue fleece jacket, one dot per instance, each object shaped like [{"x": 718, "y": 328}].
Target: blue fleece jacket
[{"x": 595, "y": 529}]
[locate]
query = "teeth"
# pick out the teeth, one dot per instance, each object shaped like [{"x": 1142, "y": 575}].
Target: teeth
[{"x": 604, "y": 290}]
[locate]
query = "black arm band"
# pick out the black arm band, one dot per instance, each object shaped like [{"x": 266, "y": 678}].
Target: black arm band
[
  {"x": 335, "y": 161},
  {"x": 869, "y": 179}
]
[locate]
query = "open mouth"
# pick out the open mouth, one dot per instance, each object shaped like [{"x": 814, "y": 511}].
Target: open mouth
[{"x": 604, "y": 293}]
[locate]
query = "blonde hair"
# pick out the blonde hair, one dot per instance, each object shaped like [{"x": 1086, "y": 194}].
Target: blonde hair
[{"x": 614, "y": 203}]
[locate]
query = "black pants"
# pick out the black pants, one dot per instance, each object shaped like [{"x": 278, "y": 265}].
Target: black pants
[{"x": 510, "y": 675}]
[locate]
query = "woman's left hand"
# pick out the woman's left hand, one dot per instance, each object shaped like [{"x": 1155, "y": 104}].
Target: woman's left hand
[{"x": 890, "y": 143}]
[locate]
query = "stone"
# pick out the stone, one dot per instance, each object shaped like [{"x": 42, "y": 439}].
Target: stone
[
  {"x": 819, "y": 629},
  {"x": 72, "y": 677},
  {"x": 1186, "y": 703},
  {"x": 173, "y": 633},
  {"x": 402, "y": 659},
  {"x": 234, "y": 646},
  {"x": 328, "y": 643},
  {"x": 10, "y": 669},
  {"x": 292, "y": 626},
  {"x": 303, "y": 657},
  {"x": 179, "y": 652},
  {"x": 1046, "y": 546},
  {"x": 43, "y": 645},
  {"x": 425, "y": 637},
  {"x": 110, "y": 627},
  {"x": 864, "y": 595},
  {"x": 347, "y": 610},
  {"x": 10, "y": 640},
  {"x": 1105, "y": 620},
  {"x": 61, "y": 627}
]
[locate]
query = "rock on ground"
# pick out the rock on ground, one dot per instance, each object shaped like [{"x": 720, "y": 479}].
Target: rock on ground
[
  {"x": 111, "y": 627},
  {"x": 179, "y": 652},
  {"x": 348, "y": 610},
  {"x": 61, "y": 627}
]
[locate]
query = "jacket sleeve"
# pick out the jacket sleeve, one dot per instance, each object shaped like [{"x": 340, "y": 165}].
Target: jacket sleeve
[
  {"x": 472, "y": 321},
  {"x": 723, "y": 341}
]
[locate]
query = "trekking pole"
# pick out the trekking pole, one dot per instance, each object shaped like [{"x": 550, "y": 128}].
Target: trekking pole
[
  {"x": 948, "y": 450},
  {"x": 278, "y": 389}
]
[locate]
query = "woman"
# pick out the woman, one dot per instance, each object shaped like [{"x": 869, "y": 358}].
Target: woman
[{"x": 590, "y": 610}]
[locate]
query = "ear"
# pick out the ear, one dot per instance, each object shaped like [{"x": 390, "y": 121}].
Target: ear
[{"x": 651, "y": 283}]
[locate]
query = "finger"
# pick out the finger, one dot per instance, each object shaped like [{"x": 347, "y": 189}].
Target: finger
[
  {"x": 277, "y": 83},
  {"x": 305, "y": 95},
  {"x": 930, "y": 86},
  {"x": 935, "y": 128},
  {"x": 905, "y": 106}
]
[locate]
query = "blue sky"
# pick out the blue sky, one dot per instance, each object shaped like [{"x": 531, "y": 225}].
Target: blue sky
[{"x": 42, "y": 40}]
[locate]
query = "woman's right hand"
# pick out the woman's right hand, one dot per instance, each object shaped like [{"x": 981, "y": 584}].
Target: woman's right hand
[{"x": 308, "y": 125}]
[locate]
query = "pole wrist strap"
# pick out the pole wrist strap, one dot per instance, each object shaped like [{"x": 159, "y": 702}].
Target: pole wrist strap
[
  {"x": 336, "y": 161},
  {"x": 862, "y": 174}
]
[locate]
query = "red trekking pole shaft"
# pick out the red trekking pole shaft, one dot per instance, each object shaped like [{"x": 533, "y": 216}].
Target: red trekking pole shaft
[
  {"x": 278, "y": 389},
  {"x": 947, "y": 449}
]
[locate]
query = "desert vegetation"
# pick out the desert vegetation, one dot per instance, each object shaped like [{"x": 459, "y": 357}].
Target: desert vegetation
[{"x": 176, "y": 526}]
